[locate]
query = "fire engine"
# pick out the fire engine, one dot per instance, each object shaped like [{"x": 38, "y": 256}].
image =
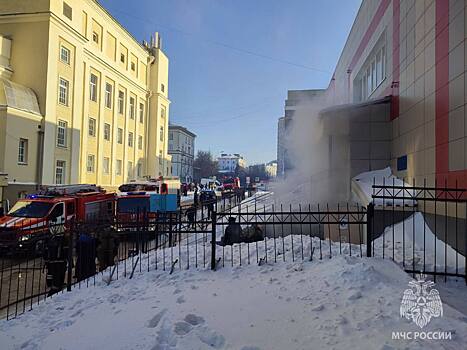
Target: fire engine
[
  {"x": 230, "y": 184},
  {"x": 51, "y": 210}
]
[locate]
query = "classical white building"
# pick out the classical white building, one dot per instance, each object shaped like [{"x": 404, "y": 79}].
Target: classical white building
[
  {"x": 227, "y": 163},
  {"x": 182, "y": 150}
]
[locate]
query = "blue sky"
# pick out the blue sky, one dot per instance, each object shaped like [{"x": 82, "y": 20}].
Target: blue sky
[{"x": 232, "y": 61}]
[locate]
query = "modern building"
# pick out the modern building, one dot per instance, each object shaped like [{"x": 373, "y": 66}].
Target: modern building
[
  {"x": 182, "y": 150},
  {"x": 398, "y": 92},
  {"x": 81, "y": 100},
  {"x": 228, "y": 163}
]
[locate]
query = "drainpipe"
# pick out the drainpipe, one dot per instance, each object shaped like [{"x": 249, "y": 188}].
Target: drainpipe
[
  {"x": 152, "y": 59},
  {"x": 40, "y": 158}
]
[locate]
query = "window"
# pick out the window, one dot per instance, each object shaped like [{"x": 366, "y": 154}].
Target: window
[
  {"x": 60, "y": 172},
  {"x": 92, "y": 127},
  {"x": 23, "y": 151},
  {"x": 64, "y": 55},
  {"x": 130, "y": 139},
  {"x": 106, "y": 165},
  {"x": 160, "y": 157},
  {"x": 140, "y": 142},
  {"x": 95, "y": 37},
  {"x": 108, "y": 95},
  {"x": 90, "y": 163},
  {"x": 61, "y": 133},
  {"x": 93, "y": 88},
  {"x": 107, "y": 132},
  {"x": 162, "y": 87},
  {"x": 130, "y": 170},
  {"x": 163, "y": 111},
  {"x": 133, "y": 66},
  {"x": 118, "y": 167},
  {"x": 171, "y": 136},
  {"x": 67, "y": 11},
  {"x": 122, "y": 58},
  {"x": 139, "y": 169},
  {"x": 402, "y": 163},
  {"x": 141, "y": 113},
  {"x": 132, "y": 107},
  {"x": 121, "y": 101},
  {"x": 120, "y": 136},
  {"x": 63, "y": 92},
  {"x": 161, "y": 133},
  {"x": 372, "y": 74}
]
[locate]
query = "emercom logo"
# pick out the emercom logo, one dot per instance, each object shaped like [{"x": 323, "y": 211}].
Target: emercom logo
[{"x": 421, "y": 302}]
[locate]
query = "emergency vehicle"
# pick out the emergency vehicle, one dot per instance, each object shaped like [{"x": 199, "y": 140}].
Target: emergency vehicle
[
  {"x": 148, "y": 198},
  {"x": 32, "y": 219},
  {"x": 230, "y": 184}
]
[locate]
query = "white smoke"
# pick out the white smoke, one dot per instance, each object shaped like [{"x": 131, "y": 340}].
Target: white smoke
[{"x": 318, "y": 151}]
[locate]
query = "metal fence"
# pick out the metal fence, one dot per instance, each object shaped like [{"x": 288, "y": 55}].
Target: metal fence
[
  {"x": 402, "y": 223},
  {"x": 422, "y": 228}
]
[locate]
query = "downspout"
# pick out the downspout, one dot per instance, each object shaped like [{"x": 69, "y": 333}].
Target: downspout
[
  {"x": 152, "y": 59},
  {"x": 40, "y": 158}
]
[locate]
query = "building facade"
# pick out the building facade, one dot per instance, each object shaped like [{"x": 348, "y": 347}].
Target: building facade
[
  {"x": 98, "y": 99},
  {"x": 271, "y": 169},
  {"x": 401, "y": 78},
  {"x": 228, "y": 163},
  {"x": 182, "y": 151}
]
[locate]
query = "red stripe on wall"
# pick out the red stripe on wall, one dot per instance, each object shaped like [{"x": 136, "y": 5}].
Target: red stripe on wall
[
  {"x": 369, "y": 32},
  {"x": 442, "y": 91}
]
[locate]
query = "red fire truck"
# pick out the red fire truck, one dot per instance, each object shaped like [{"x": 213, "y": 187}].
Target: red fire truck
[{"x": 52, "y": 210}]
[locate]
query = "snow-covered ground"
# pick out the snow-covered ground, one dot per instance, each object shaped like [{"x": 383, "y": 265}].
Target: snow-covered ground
[
  {"x": 341, "y": 303},
  {"x": 413, "y": 237}
]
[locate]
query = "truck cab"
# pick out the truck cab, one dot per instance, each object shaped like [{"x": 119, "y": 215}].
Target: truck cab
[{"x": 51, "y": 211}]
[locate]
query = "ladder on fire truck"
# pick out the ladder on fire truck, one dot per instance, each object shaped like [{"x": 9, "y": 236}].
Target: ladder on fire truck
[{"x": 61, "y": 190}]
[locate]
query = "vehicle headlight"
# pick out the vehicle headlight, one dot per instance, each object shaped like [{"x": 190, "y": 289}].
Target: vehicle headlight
[{"x": 25, "y": 238}]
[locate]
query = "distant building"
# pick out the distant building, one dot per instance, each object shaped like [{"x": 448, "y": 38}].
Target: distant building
[
  {"x": 271, "y": 169},
  {"x": 227, "y": 163},
  {"x": 182, "y": 150}
]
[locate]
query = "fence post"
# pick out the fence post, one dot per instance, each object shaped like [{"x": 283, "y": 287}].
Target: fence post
[
  {"x": 213, "y": 239},
  {"x": 70, "y": 255},
  {"x": 370, "y": 211}
]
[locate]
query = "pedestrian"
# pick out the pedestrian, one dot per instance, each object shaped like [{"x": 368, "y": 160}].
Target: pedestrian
[
  {"x": 106, "y": 251},
  {"x": 191, "y": 216},
  {"x": 55, "y": 256},
  {"x": 86, "y": 256},
  {"x": 195, "y": 197},
  {"x": 233, "y": 233}
]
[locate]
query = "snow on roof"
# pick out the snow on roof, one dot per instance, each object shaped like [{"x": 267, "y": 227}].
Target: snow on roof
[{"x": 362, "y": 188}]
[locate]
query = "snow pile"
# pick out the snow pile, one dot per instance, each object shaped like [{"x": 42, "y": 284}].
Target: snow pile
[
  {"x": 341, "y": 303},
  {"x": 362, "y": 186},
  {"x": 419, "y": 241}
]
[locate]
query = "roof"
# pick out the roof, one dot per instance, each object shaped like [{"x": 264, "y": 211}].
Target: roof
[
  {"x": 181, "y": 128},
  {"x": 348, "y": 106},
  {"x": 18, "y": 96}
]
